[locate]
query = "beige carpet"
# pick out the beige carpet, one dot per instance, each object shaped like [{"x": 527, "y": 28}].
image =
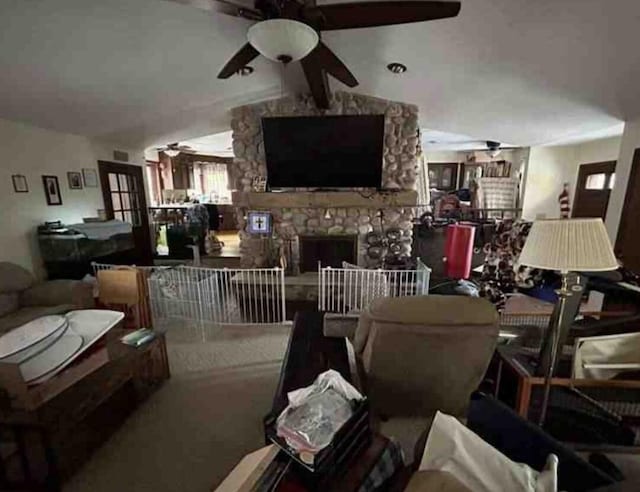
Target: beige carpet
[
  {"x": 190, "y": 434},
  {"x": 187, "y": 436},
  {"x": 193, "y": 347}
]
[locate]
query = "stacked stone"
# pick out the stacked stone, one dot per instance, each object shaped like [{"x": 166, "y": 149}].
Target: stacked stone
[{"x": 401, "y": 153}]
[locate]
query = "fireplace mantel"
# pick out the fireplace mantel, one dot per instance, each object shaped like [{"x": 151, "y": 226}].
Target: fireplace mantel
[{"x": 326, "y": 199}]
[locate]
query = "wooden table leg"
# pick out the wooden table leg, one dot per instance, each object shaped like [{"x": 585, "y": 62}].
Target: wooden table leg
[{"x": 524, "y": 397}]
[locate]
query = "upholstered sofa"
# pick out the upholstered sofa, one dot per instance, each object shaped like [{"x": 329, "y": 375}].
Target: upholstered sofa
[{"x": 23, "y": 299}]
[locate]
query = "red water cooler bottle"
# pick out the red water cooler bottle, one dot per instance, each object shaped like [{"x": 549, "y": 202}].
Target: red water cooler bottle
[{"x": 458, "y": 250}]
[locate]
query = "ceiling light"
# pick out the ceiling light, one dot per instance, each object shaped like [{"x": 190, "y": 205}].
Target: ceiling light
[
  {"x": 171, "y": 152},
  {"x": 283, "y": 40},
  {"x": 397, "y": 68},
  {"x": 244, "y": 71}
]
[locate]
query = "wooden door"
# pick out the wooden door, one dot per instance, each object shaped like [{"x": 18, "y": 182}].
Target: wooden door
[
  {"x": 593, "y": 188},
  {"x": 626, "y": 248},
  {"x": 124, "y": 199}
]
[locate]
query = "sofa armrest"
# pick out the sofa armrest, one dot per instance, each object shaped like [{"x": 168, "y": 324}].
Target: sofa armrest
[{"x": 56, "y": 292}]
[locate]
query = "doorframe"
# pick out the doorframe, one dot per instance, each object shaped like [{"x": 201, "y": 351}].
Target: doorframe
[
  {"x": 106, "y": 167},
  {"x": 627, "y": 214}
]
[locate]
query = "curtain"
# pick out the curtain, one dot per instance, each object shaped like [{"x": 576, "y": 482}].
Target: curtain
[{"x": 213, "y": 182}]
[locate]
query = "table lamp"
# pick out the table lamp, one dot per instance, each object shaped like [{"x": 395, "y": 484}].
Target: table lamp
[{"x": 565, "y": 245}]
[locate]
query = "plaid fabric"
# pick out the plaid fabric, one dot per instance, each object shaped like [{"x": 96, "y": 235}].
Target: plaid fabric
[{"x": 391, "y": 460}]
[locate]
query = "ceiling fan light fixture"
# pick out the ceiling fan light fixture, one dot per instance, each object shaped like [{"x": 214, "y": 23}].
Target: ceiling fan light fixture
[
  {"x": 171, "y": 152},
  {"x": 283, "y": 39},
  {"x": 397, "y": 68}
]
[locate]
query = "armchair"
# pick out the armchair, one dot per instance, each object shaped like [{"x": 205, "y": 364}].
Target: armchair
[{"x": 420, "y": 354}]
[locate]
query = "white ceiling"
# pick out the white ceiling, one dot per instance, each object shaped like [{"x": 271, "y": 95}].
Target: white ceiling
[
  {"x": 143, "y": 72},
  {"x": 219, "y": 144}
]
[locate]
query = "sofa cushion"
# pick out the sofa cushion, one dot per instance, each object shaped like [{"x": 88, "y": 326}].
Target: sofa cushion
[
  {"x": 55, "y": 292},
  {"x": 14, "y": 278},
  {"x": 26, "y": 314},
  {"x": 9, "y": 303}
]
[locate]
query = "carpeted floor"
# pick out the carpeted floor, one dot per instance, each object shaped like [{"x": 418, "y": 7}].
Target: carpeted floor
[
  {"x": 192, "y": 432},
  {"x": 201, "y": 348},
  {"x": 187, "y": 436}
]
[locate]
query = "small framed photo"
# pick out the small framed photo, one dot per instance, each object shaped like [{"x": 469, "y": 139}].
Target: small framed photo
[
  {"x": 259, "y": 222},
  {"x": 90, "y": 178},
  {"x": 75, "y": 180},
  {"x": 20, "y": 183},
  {"x": 52, "y": 190}
]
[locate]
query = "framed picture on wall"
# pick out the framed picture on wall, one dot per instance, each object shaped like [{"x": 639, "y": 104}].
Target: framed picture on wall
[
  {"x": 52, "y": 190},
  {"x": 20, "y": 183},
  {"x": 90, "y": 177},
  {"x": 75, "y": 180}
]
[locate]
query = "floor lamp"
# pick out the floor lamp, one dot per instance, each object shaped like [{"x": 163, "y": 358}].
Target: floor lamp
[{"x": 565, "y": 245}]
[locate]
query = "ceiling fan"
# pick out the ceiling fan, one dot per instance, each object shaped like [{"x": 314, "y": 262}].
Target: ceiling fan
[
  {"x": 289, "y": 30},
  {"x": 173, "y": 149}
]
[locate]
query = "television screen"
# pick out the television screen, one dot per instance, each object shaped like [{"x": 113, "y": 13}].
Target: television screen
[{"x": 324, "y": 151}]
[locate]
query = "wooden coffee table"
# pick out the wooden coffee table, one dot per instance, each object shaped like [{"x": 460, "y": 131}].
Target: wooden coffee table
[
  {"x": 310, "y": 353},
  {"x": 78, "y": 409}
]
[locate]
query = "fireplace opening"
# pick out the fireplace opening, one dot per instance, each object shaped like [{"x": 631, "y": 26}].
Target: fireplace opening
[{"x": 329, "y": 250}]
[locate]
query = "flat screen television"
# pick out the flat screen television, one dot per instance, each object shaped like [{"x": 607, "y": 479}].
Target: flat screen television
[{"x": 324, "y": 151}]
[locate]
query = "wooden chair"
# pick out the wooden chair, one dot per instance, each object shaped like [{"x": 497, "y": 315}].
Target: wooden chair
[{"x": 125, "y": 289}]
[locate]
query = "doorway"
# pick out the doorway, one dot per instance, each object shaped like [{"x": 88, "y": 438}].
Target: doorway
[
  {"x": 124, "y": 199},
  {"x": 627, "y": 241},
  {"x": 593, "y": 188}
]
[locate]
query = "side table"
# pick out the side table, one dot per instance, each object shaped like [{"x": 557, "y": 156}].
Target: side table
[{"x": 78, "y": 419}]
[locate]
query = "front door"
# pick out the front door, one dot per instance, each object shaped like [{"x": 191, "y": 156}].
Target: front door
[
  {"x": 595, "y": 182},
  {"x": 124, "y": 199}
]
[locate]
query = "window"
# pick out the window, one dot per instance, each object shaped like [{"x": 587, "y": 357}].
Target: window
[
  {"x": 213, "y": 182},
  {"x": 596, "y": 181},
  {"x": 124, "y": 198},
  {"x": 612, "y": 180}
]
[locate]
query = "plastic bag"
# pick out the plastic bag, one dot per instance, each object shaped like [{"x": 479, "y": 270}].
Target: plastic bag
[{"x": 317, "y": 412}]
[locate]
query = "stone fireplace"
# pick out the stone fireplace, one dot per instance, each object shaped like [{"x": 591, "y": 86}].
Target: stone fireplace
[
  {"x": 330, "y": 250},
  {"x": 301, "y": 213}
]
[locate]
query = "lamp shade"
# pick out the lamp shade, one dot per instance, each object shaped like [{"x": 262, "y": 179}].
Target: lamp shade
[
  {"x": 283, "y": 39},
  {"x": 569, "y": 245}
]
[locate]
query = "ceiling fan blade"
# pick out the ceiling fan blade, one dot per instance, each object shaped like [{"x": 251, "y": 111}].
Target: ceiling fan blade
[
  {"x": 238, "y": 8},
  {"x": 317, "y": 80},
  {"x": 332, "y": 64},
  {"x": 238, "y": 61},
  {"x": 372, "y": 14}
]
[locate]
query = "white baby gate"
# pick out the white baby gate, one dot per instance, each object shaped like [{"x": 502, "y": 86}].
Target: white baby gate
[
  {"x": 351, "y": 290},
  {"x": 214, "y": 295}
]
